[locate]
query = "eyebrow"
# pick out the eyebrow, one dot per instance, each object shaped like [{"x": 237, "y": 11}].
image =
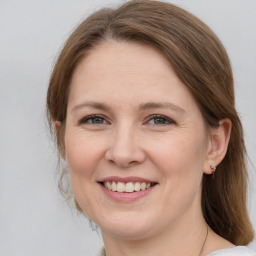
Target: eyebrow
[
  {"x": 142, "y": 107},
  {"x": 155, "y": 105},
  {"x": 91, "y": 104}
]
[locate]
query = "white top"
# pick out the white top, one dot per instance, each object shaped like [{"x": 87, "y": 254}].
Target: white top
[{"x": 235, "y": 251}]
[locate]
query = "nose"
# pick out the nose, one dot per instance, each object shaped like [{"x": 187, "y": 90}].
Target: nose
[{"x": 124, "y": 149}]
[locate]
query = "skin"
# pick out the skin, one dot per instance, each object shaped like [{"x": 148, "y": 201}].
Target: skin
[{"x": 173, "y": 150}]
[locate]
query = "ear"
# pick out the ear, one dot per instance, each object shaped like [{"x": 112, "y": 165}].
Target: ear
[
  {"x": 57, "y": 125},
  {"x": 218, "y": 144}
]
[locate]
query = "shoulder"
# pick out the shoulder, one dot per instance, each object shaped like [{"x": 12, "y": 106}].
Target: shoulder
[
  {"x": 235, "y": 251},
  {"x": 101, "y": 252}
]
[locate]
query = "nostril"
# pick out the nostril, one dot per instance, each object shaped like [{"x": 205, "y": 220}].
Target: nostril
[
  {"x": 125, "y": 153},
  {"x": 122, "y": 162},
  {"x": 112, "y": 162}
]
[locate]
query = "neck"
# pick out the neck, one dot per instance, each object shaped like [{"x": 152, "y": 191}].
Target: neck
[{"x": 186, "y": 237}]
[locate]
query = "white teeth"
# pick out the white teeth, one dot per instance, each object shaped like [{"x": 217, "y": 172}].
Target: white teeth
[
  {"x": 120, "y": 187},
  {"x": 126, "y": 187},
  {"x": 137, "y": 186},
  {"x": 113, "y": 186},
  {"x": 108, "y": 185},
  {"x": 129, "y": 187},
  {"x": 143, "y": 186}
]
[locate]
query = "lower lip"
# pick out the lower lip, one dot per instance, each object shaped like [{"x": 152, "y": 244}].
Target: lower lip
[{"x": 125, "y": 196}]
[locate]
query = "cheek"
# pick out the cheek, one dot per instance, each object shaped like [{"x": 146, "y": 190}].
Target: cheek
[
  {"x": 180, "y": 159},
  {"x": 179, "y": 153},
  {"x": 181, "y": 173},
  {"x": 83, "y": 153}
]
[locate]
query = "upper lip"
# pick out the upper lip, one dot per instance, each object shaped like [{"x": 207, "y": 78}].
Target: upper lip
[{"x": 126, "y": 179}]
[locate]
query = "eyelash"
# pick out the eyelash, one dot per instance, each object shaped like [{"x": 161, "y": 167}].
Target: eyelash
[
  {"x": 164, "y": 118},
  {"x": 86, "y": 119},
  {"x": 91, "y": 117}
]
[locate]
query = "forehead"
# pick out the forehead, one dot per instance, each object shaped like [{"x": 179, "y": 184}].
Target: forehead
[{"x": 127, "y": 71}]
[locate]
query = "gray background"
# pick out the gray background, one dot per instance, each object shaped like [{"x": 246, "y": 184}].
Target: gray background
[{"x": 34, "y": 220}]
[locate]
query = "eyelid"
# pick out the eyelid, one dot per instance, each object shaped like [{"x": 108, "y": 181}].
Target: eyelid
[
  {"x": 86, "y": 118},
  {"x": 169, "y": 120}
]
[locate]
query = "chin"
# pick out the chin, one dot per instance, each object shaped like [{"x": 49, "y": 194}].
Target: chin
[
  {"x": 127, "y": 232},
  {"x": 127, "y": 225}
]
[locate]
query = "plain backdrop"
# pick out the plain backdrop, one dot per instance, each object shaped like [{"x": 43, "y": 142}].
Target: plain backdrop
[{"x": 34, "y": 219}]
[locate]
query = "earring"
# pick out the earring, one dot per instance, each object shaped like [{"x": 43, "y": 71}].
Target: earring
[{"x": 213, "y": 168}]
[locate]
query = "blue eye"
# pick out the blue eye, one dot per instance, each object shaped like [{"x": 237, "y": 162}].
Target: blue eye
[
  {"x": 93, "y": 119},
  {"x": 160, "y": 120}
]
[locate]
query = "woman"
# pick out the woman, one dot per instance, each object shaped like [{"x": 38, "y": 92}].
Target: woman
[{"x": 142, "y": 101}]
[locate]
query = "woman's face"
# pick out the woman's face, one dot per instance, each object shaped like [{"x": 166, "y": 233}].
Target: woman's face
[{"x": 132, "y": 126}]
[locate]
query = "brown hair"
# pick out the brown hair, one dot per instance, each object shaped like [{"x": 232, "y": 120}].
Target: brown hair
[{"x": 201, "y": 62}]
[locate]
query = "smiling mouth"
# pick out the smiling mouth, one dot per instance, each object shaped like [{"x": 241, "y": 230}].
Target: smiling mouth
[{"x": 128, "y": 187}]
